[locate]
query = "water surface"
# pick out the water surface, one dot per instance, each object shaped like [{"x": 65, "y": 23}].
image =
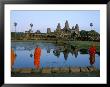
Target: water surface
[{"x": 52, "y": 55}]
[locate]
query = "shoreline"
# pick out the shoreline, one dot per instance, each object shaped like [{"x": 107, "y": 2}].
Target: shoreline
[
  {"x": 57, "y": 40},
  {"x": 65, "y": 72}
]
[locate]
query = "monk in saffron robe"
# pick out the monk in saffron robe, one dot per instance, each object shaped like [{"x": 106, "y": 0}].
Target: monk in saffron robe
[
  {"x": 92, "y": 52},
  {"x": 13, "y": 56},
  {"x": 37, "y": 54}
]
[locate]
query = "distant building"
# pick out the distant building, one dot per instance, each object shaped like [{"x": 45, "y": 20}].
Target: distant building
[
  {"x": 66, "y": 28},
  {"x": 59, "y": 33},
  {"x": 38, "y": 32},
  {"x": 58, "y": 27},
  {"x": 66, "y": 32},
  {"x": 48, "y": 30}
]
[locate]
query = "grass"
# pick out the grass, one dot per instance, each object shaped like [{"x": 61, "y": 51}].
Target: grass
[
  {"x": 85, "y": 44},
  {"x": 79, "y": 44},
  {"x": 82, "y": 44}
]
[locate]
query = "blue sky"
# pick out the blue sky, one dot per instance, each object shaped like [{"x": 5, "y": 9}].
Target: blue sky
[{"x": 49, "y": 19}]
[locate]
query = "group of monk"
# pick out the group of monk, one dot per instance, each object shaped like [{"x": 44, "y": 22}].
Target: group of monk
[{"x": 37, "y": 54}]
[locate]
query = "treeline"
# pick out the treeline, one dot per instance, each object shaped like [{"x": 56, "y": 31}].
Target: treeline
[
  {"x": 82, "y": 36},
  {"x": 87, "y": 36}
]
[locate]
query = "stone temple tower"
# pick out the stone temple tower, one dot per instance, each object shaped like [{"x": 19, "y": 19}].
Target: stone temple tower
[
  {"x": 48, "y": 30},
  {"x": 66, "y": 25},
  {"x": 58, "y": 27},
  {"x": 77, "y": 27}
]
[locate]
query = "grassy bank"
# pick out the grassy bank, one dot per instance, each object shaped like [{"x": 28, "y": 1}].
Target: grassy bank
[
  {"x": 79, "y": 44},
  {"x": 85, "y": 44}
]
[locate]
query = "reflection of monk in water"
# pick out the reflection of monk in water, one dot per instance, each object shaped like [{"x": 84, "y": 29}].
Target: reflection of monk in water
[
  {"x": 12, "y": 57},
  {"x": 37, "y": 54},
  {"x": 92, "y": 51}
]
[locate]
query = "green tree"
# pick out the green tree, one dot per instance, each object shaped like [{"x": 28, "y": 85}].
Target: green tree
[
  {"x": 31, "y": 25},
  {"x": 15, "y": 24},
  {"x": 91, "y": 24},
  {"x": 83, "y": 34}
]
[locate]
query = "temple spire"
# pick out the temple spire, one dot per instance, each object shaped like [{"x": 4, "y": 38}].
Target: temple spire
[{"x": 66, "y": 26}]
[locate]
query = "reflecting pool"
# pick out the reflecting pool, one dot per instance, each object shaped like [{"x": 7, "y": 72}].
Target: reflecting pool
[{"x": 51, "y": 55}]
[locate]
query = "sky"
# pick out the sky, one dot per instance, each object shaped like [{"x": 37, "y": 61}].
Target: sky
[{"x": 42, "y": 20}]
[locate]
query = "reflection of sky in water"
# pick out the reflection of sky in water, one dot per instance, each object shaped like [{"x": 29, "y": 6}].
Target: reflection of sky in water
[{"x": 23, "y": 59}]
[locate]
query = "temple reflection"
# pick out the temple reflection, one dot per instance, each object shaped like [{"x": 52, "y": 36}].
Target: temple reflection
[
  {"x": 45, "y": 55},
  {"x": 59, "y": 51},
  {"x": 65, "y": 50}
]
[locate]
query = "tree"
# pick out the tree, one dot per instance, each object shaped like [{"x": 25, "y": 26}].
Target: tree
[
  {"x": 91, "y": 24},
  {"x": 73, "y": 35},
  {"x": 93, "y": 35},
  {"x": 38, "y": 32},
  {"x": 83, "y": 34},
  {"x": 31, "y": 25},
  {"x": 15, "y": 24}
]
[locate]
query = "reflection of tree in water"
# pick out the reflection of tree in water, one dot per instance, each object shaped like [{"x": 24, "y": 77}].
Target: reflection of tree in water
[
  {"x": 56, "y": 52},
  {"x": 29, "y": 47},
  {"x": 65, "y": 54},
  {"x": 26, "y": 47},
  {"x": 74, "y": 50},
  {"x": 83, "y": 51},
  {"x": 48, "y": 50},
  {"x": 31, "y": 54}
]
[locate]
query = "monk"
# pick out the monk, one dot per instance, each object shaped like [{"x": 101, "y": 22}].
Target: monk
[
  {"x": 92, "y": 52},
  {"x": 37, "y": 54},
  {"x": 13, "y": 56}
]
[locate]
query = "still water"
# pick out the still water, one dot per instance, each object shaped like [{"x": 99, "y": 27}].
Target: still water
[{"x": 52, "y": 55}]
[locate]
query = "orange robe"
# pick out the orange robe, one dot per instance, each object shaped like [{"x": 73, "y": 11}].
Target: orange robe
[
  {"x": 37, "y": 54},
  {"x": 12, "y": 57},
  {"x": 92, "y": 52}
]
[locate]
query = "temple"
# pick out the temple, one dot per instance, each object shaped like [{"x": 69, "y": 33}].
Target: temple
[{"x": 65, "y": 33}]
